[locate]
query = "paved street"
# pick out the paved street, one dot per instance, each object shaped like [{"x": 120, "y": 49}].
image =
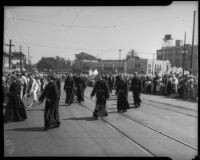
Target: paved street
[{"x": 160, "y": 127}]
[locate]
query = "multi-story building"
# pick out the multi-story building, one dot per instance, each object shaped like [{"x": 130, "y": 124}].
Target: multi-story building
[
  {"x": 147, "y": 66},
  {"x": 175, "y": 54}
]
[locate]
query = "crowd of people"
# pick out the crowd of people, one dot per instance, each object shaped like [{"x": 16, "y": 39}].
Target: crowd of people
[
  {"x": 48, "y": 86},
  {"x": 172, "y": 85}
]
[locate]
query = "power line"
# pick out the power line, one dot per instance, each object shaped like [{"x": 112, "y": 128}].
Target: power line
[
  {"x": 55, "y": 47},
  {"x": 69, "y": 26}
]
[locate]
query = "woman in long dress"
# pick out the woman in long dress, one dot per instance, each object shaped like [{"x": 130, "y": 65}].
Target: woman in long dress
[{"x": 15, "y": 109}]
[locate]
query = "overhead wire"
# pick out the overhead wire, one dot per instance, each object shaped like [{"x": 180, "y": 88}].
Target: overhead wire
[
  {"x": 71, "y": 25},
  {"x": 64, "y": 48}
]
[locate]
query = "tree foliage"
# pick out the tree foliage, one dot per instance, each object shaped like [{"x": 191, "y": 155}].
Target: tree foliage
[
  {"x": 54, "y": 63},
  {"x": 132, "y": 55},
  {"x": 84, "y": 56}
]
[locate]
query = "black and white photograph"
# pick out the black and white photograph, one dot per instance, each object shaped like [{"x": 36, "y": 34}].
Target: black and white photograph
[{"x": 101, "y": 81}]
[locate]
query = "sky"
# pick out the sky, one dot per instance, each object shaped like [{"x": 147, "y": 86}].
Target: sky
[{"x": 99, "y": 31}]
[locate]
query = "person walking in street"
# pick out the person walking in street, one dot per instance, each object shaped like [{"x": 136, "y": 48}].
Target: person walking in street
[
  {"x": 102, "y": 94},
  {"x": 51, "y": 94},
  {"x": 122, "y": 92},
  {"x": 15, "y": 109},
  {"x": 24, "y": 82},
  {"x": 33, "y": 87},
  {"x": 80, "y": 84},
  {"x": 57, "y": 81},
  {"x": 69, "y": 88},
  {"x": 136, "y": 88},
  {"x": 110, "y": 83}
]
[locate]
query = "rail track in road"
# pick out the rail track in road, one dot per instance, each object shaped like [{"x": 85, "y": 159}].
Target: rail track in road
[
  {"x": 152, "y": 104},
  {"x": 145, "y": 125},
  {"x": 121, "y": 132}
]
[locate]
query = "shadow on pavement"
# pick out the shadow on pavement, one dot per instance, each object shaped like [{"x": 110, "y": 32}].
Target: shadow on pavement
[
  {"x": 30, "y": 129},
  {"x": 80, "y": 118}
]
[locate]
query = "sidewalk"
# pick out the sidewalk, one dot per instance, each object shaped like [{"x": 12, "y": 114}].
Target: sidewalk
[{"x": 171, "y": 101}]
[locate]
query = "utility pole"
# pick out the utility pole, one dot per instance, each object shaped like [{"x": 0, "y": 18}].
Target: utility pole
[
  {"x": 20, "y": 47},
  {"x": 153, "y": 64},
  {"x": 164, "y": 53},
  {"x": 28, "y": 59},
  {"x": 119, "y": 58},
  {"x": 192, "y": 41},
  {"x": 10, "y": 47},
  {"x": 183, "y": 64}
]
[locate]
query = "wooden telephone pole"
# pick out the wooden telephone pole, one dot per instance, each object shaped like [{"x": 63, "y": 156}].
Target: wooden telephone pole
[{"x": 10, "y": 47}]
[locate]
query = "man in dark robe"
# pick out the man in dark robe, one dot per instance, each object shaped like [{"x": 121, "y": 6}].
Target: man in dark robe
[
  {"x": 117, "y": 79},
  {"x": 57, "y": 81},
  {"x": 169, "y": 86},
  {"x": 69, "y": 88},
  {"x": 52, "y": 100},
  {"x": 102, "y": 94},
  {"x": 155, "y": 83},
  {"x": 15, "y": 109},
  {"x": 110, "y": 83},
  {"x": 80, "y": 84},
  {"x": 122, "y": 92},
  {"x": 136, "y": 88}
]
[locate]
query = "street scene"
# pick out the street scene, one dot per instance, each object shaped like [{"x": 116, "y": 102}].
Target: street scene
[{"x": 96, "y": 82}]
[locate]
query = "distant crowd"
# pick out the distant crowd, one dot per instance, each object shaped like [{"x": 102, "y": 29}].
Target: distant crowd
[
  {"x": 172, "y": 85},
  {"x": 16, "y": 86}
]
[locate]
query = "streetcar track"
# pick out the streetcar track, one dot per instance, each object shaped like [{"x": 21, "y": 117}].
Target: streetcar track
[
  {"x": 171, "y": 105},
  {"x": 189, "y": 115},
  {"x": 129, "y": 138},
  {"x": 164, "y": 108},
  {"x": 153, "y": 101},
  {"x": 152, "y": 128},
  {"x": 179, "y": 107}
]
